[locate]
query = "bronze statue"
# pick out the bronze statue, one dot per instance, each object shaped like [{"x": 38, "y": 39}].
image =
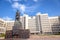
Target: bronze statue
[{"x": 18, "y": 31}]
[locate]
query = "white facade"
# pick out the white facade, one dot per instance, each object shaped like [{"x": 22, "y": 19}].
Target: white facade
[
  {"x": 55, "y": 25},
  {"x": 40, "y": 23},
  {"x": 2, "y": 22},
  {"x": 43, "y": 25},
  {"x": 2, "y": 26},
  {"x": 9, "y": 25},
  {"x": 24, "y": 21},
  {"x": 2, "y": 30},
  {"x": 25, "y": 16},
  {"x": 32, "y": 25},
  {"x": 46, "y": 29}
]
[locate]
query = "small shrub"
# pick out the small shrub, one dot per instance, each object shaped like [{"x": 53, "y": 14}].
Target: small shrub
[{"x": 2, "y": 35}]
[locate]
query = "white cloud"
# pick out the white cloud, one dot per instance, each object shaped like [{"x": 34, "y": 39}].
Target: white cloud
[
  {"x": 15, "y": 5},
  {"x": 21, "y": 7},
  {"x": 16, "y": 0},
  {"x": 7, "y": 18},
  {"x": 35, "y": 0},
  {"x": 11, "y": 1},
  {"x": 31, "y": 8},
  {"x": 38, "y": 13}
]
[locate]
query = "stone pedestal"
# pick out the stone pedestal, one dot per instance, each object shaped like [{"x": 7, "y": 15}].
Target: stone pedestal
[
  {"x": 8, "y": 34},
  {"x": 24, "y": 33}
]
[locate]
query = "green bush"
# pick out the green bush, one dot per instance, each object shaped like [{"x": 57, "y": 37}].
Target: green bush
[{"x": 2, "y": 35}]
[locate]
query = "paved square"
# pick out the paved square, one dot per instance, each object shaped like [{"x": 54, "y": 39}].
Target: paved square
[{"x": 35, "y": 37}]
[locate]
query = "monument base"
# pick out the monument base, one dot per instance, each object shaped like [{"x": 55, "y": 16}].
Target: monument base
[{"x": 23, "y": 33}]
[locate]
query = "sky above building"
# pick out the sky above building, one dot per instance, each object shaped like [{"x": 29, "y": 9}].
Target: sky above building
[{"x": 8, "y": 8}]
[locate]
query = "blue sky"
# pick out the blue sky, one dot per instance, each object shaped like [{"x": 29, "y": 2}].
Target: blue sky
[{"x": 31, "y": 7}]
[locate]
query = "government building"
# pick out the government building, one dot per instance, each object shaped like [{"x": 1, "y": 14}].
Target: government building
[{"x": 38, "y": 24}]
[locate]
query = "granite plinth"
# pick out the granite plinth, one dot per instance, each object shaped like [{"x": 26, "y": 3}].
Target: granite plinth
[
  {"x": 23, "y": 33},
  {"x": 8, "y": 34}
]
